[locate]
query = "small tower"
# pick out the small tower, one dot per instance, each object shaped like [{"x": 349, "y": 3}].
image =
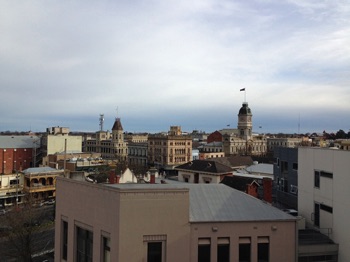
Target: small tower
[
  {"x": 118, "y": 143},
  {"x": 245, "y": 124}
]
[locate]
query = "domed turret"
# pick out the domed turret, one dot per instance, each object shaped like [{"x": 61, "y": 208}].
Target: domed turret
[
  {"x": 245, "y": 110},
  {"x": 245, "y": 121}
]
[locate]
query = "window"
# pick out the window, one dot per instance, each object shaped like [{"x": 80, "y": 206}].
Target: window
[
  {"x": 326, "y": 174},
  {"x": 317, "y": 179},
  {"x": 284, "y": 166},
  {"x": 64, "y": 239},
  {"x": 295, "y": 166},
  {"x": 244, "y": 249},
  {"x": 14, "y": 182},
  {"x": 155, "y": 247},
  {"x": 154, "y": 252},
  {"x": 326, "y": 208},
  {"x": 316, "y": 217},
  {"x": 84, "y": 245},
  {"x": 223, "y": 252},
  {"x": 319, "y": 174},
  {"x": 293, "y": 189},
  {"x": 204, "y": 250},
  {"x": 277, "y": 161},
  {"x": 106, "y": 249},
  {"x": 263, "y": 249}
]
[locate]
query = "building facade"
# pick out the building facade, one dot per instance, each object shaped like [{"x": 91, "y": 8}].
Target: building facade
[
  {"x": 137, "y": 153},
  {"x": 273, "y": 142},
  {"x": 323, "y": 194},
  {"x": 40, "y": 182},
  {"x": 125, "y": 224},
  {"x": 57, "y": 140},
  {"x": 169, "y": 150},
  {"x": 11, "y": 190},
  {"x": 109, "y": 145},
  {"x": 203, "y": 171},
  {"x": 242, "y": 141},
  {"x": 285, "y": 170},
  {"x": 211, "y": 150},
  {"x": 17, "y": 153}
]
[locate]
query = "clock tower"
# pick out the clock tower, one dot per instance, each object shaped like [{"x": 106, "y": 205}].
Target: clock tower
[{"x": 245, "y": 124}]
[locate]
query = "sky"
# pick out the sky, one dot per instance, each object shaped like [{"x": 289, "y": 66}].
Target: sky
[{"x": 159, "y": 63}]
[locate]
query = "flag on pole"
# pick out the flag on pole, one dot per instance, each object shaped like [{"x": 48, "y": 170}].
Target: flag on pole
[{"x": 242, "y": 89}]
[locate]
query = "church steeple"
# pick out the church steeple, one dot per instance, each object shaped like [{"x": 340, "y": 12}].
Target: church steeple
[{"x": 245, "y": 124}]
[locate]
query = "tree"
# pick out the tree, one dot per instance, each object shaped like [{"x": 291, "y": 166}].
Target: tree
[
  {"x": 340, "y": 134},
  {"x": 25, "y": 228}
]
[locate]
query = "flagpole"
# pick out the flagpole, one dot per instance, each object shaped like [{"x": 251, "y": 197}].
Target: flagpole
[{"x": 245, "y": 94}]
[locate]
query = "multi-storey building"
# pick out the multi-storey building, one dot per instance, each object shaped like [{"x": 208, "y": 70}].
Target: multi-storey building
[
  {"x": 285, "y": 169},
  {"x": 11, "y": 190},
  {"x": 58, "y": 140},
  {"x": 137, "y": 154},
  {"x": 275, "y": 142},
  {"x": 137, "y": 149},
  {"x": 40, "y": 182},
  {"x": 76, "y": 161},
  {"x": 211, "y": 150},
  {"x": 136, "y": 137},
  {"x": 323, "y": 194},
  {"x": 17, "y": 153},
  {"x": 169, "y": 150},
  {"x": 242, "y": 141},
  {"x": 203, "y": 171},
  {"x": 109, "y": 145},
  {"x": 164, "y": 222}
]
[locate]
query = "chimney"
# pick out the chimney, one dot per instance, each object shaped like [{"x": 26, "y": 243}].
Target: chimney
[
  {"x": 152, "y": 171},
  {"x": 267, "y": 186},
  {"x": 112, "y": 178},
  {"x": 117, "y": 179}
]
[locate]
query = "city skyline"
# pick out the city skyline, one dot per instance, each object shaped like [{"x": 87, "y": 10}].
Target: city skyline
[{"x": 175, "y": 63}]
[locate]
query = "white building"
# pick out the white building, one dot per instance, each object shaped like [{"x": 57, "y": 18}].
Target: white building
[{"x": 323, "y": 195}]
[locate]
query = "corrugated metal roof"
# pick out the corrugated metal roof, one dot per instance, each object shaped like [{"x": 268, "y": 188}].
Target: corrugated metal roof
[
  {"x": 19, "y": 142},
  {"x": 261, "y": 168},
  {"x": 220, "y": 203},
  {"x": 45, "y": 169}
]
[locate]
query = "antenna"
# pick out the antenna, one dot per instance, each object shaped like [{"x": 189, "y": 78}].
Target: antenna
[
  {"x": 102, "y": 119},
  {"x": 299, "y": 125}
]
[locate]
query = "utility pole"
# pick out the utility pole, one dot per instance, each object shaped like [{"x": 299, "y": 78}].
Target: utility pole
[{"x": 65, "y": 157}]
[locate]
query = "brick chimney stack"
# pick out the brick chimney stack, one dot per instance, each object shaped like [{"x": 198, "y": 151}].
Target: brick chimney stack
[
  {"x": 152, "y": 171},
  {"x": 112, "y": 177},
  {"x": 267, "y": 186}
]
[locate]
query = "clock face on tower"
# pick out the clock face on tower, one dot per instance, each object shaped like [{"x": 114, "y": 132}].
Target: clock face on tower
[{"x": 249, "y": 118}]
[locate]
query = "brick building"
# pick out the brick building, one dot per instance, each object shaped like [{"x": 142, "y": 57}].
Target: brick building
[{"x": 17, "y": 153}]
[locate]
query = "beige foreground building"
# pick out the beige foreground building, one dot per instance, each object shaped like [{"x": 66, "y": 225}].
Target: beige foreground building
[
  {"x": 165, "y": 222},
  {"x": 323, "y": 194}
]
